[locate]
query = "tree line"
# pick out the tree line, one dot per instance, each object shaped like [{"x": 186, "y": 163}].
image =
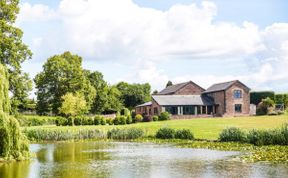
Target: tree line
[{"x": 63, "y": 82}]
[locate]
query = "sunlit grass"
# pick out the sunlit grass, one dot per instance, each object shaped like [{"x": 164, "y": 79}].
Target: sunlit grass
[{"x": 204, "y": 128}]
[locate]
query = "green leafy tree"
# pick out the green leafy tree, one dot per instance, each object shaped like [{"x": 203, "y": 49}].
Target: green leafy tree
[
  {"x": 13, "y": 52},
  {"x": 61, "y": 74},
  {"x": 134, "y": 94},
  {"x": 73, "y": 105},
  {"x": 169, "y": 83},
  {"x": 114, "y": 103},
  {"x": 97, "y": 81},
  {"x": 13, "y": 145}
]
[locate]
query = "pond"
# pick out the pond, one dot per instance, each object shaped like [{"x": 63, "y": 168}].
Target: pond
[{"x": 126, "y": 159}]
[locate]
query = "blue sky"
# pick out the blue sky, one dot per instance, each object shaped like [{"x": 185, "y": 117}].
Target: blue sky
[{"x": 155, "y": 41}]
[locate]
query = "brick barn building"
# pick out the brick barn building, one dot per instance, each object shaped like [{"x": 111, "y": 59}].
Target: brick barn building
[{"x": 186, "y": 100}]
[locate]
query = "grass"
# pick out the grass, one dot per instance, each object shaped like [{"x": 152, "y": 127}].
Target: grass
[{"x": 204, "y": 128}]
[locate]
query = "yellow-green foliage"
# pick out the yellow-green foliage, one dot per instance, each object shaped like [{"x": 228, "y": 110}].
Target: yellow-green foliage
[
  {"x": 13, "y": 145},
  {"x": 73, "y": 104},
  {"x": 4, "y": 86}
]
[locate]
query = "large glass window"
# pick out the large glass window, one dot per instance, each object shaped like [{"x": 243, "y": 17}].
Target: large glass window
[
  {"x": 237, "y": 94},
  {"x": 238, "y": 108},
  {"x": 188, "y": 110},
  {"x": 172, "y": 109}
]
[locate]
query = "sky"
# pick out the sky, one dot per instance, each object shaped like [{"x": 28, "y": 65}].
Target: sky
[{"x": 155, "y": 41}]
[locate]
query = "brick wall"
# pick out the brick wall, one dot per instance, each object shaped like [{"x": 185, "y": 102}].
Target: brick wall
[{"x": 231, "y": 101}]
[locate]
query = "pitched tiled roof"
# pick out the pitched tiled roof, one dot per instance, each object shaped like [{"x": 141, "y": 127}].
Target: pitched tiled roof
[
  {"x": 173, "y": 88},
  {"x": 145, "y": 104},
  {"x": 169, "y": 100},
  {"x": 221, "y": 86}
]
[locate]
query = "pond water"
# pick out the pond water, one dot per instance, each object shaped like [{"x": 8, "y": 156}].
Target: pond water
[{"x": 126, "y": 159}]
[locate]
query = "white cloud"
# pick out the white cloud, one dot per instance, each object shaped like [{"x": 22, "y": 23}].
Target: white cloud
[
  {"x": 123, "y": 31},
  {"x": 38, "y": 12}
]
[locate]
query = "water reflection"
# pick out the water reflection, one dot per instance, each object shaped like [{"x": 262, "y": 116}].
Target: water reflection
[{"x": 110, "y": 159}]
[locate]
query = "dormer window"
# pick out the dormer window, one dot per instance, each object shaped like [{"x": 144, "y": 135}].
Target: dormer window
[{"x": 237, "y": 94}]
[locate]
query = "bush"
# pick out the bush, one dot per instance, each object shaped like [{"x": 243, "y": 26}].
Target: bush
[
  {"x": 155, "y": 118},
  {"x": 97, "y": 120},
  {"x": 262, "y": 137},
  {"x": 122, "y": 120},
  {"x": 116, "y": 121},
  {"x": 125, "y": 112},
  {"x": 123, "y": 134},
  {"x": 32, "y": 120},
  {"x": 103, "y": 121},
  {"x": 109, "y": 121},
  {"x": 138, "y": 118},
  {"x": 147, "y": 118},
  {"x": 164, "y": 116},
  {"x": 61, "y": 121},
  {"x": 86, "y": 120},
  {"x": 129, "y": 119},
  {"x": 78, "y": 120},
  {"x": 232, "y": 134},
  {"x": 184, "y": 134},
  {"x": 165, "y": 133}
]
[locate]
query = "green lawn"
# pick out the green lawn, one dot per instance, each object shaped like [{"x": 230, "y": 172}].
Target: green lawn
[{"x": 208, "y": 128}]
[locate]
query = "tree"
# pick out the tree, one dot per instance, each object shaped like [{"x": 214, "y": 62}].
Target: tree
[
  {"x": 97, "y": 81},
  {"x": 265, "y": 105},
  {"x": 13, "y": 145},
  {"x": 114, "y": 102},
  {"x": 134, "y": 94},
  {"x": 13, "y": 52},
  {"x": 61, "y": 74},
  {"x": 169, "y": 83},
  {"x": 155, "y": 92},
  {"x": 21, "y": 88},
  {"x": 73, "y": 105}
]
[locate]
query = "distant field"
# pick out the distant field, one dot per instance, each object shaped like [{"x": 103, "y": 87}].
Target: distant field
[{"x": 208, "y": 128}]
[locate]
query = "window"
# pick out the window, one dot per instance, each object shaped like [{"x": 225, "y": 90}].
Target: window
[
  {"x": 188, "y": 110},
  {"x": 237, "y": 94},
  {"x": 172, "y": 110},
  {"x": 238, "y": 108},
  {"x": 155, "y": 111}
]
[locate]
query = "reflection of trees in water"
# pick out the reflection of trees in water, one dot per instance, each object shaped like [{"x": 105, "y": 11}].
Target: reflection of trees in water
[
  {"x": 15, "y": 169},
  {"x": 226, "y": 168}
]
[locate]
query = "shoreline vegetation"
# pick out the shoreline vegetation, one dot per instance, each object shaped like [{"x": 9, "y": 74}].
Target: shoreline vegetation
[{"x": 193, "y": 135}]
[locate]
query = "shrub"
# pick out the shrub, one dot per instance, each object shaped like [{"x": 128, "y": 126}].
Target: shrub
[
  {"x": 97, "y": 120},
  {"x": 116, "y": 121},
  {"x": 125, "y": 112},
  {"x": 122, "y": 120},
  {"x": 61, "y": 121},
  {"x": 31, "y": 120},
  {"x": 138, "y": 118},
  {"x": 109, "y": 121},
  {"x": 147, "y": 118},
  {"x": 262, "y": 137},
  {"x": 86, "y": 120},
  {"x": 265, "y": 106},
  {"x": 78, "y": 120},
  {"x": 131, "y": 133},
  {"x": 184, "y": 134},
  {"x": 155, "y": 118},
  {"x": 103, "y": 121},
  {"x": 70, "y": 121},
  {"x": 164, "y": 116},
  {"x": 165, "y": 133},
  {"x": 232, "y": 134},
  {"x": 129, "y": 119}
]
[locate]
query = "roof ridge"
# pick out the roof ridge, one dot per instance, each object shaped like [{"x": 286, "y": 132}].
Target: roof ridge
[{"x": 225, "y": 82}]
